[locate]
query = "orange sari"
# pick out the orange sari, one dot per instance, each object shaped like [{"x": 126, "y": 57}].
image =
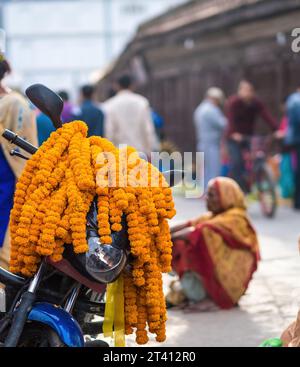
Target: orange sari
[{"x": 223, "y": 249}]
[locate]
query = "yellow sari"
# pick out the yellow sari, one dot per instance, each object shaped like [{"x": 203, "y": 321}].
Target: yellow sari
[{"x": 223, "y": 249}]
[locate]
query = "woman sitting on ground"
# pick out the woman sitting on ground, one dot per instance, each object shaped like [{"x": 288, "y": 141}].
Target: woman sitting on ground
[{"x": 216, "y": 255}]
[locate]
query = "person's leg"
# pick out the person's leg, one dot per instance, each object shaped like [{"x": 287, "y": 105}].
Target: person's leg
[
  {"x": 192, "y": 287},
  {"x": 297, "y": 179},
  {"x": 194, "y": 290},
  {"x": 207, "y": 166},
  {"x": 237, "y": 165},
  {"x": 7, "y": 187},
  {"x": 212, "y": 161}
]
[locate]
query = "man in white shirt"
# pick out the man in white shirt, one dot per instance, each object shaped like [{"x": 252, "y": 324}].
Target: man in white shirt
[
  {"x": 128, "y": 119},
  {"x": 210, "y": 123}
]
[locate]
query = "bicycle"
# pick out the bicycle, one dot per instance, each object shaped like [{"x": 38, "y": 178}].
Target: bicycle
[{"x": 258, "y": 176}]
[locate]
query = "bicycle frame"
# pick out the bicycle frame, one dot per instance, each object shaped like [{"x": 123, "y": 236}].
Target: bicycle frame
[
  {"x": 254, "y": 157},
  {"x": 258, "y": 173}
]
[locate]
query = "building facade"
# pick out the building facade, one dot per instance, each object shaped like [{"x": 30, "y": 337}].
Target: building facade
[{"x": 179, "y": 55}]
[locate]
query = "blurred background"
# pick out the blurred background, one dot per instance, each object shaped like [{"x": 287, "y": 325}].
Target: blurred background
[
  {"x": 72, "y": 40},
  {"x": 180, "y": 54},
  {"x": 175, "y": 49}
]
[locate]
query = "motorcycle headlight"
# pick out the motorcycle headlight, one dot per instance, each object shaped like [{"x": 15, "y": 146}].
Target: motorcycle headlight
[{"x": 103, "y": 262}]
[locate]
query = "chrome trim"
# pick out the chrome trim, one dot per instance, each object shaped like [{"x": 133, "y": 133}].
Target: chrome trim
[{"x": 72, "y": 299}]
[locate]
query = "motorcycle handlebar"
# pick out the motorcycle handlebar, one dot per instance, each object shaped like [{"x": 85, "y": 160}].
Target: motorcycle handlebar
[
  {"x": 8, "y": 278},
  {"x": 15, "y": 139}
]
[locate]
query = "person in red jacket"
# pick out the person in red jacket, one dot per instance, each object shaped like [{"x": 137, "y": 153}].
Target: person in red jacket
[{"x": 243, "y": 110}]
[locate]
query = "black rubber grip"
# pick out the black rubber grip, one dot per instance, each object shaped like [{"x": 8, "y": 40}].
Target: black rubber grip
[{"x": 15, "y": 139}]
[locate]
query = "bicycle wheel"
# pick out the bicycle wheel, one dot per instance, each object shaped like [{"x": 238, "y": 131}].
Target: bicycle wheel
[{"x": 267, "y": 191}]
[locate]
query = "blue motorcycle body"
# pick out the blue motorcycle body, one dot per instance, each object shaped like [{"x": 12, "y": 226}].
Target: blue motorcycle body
[{"x": 66, "y": 327}]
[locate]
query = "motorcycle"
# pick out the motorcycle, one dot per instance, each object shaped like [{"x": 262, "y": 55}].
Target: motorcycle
[{"x": 58, "y": 305}]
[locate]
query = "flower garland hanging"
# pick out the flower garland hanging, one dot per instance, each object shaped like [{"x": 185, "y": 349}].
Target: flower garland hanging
[{"x": 53, "y": 196}]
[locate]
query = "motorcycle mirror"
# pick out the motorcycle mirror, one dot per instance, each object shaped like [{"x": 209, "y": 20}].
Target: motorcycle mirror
[
  {"x": 47, "y": 101},
  {"x": 173, "y": 177}
]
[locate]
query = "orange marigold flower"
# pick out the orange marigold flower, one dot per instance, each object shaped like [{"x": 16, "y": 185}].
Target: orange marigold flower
[{"x": 51, "y": 202}]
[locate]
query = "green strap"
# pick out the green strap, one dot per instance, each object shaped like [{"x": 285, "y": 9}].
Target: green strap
[{"x": 272, "y": 343}]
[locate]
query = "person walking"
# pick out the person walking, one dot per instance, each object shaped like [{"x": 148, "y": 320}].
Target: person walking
[
  {"x": 89, "y": 112},
  {"x": 128, "y": 119},
  {"x": 15, "y": 115},
  {"x": 287, "y": 159},
  {"x": 44, "y": 127},
  {"x": 210, "y": 123},
  {"x": 67, "y": 112},
  {"x": 243, "y": 110},
  {"x": 158, "y": 122},
  {"x": 293, "y": 139}
]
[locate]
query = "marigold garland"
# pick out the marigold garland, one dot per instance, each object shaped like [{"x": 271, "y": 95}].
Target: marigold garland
[{"x": 51, "y": 202}]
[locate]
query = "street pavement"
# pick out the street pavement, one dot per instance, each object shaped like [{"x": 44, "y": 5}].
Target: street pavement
[{"x": 271, "y": 301}]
